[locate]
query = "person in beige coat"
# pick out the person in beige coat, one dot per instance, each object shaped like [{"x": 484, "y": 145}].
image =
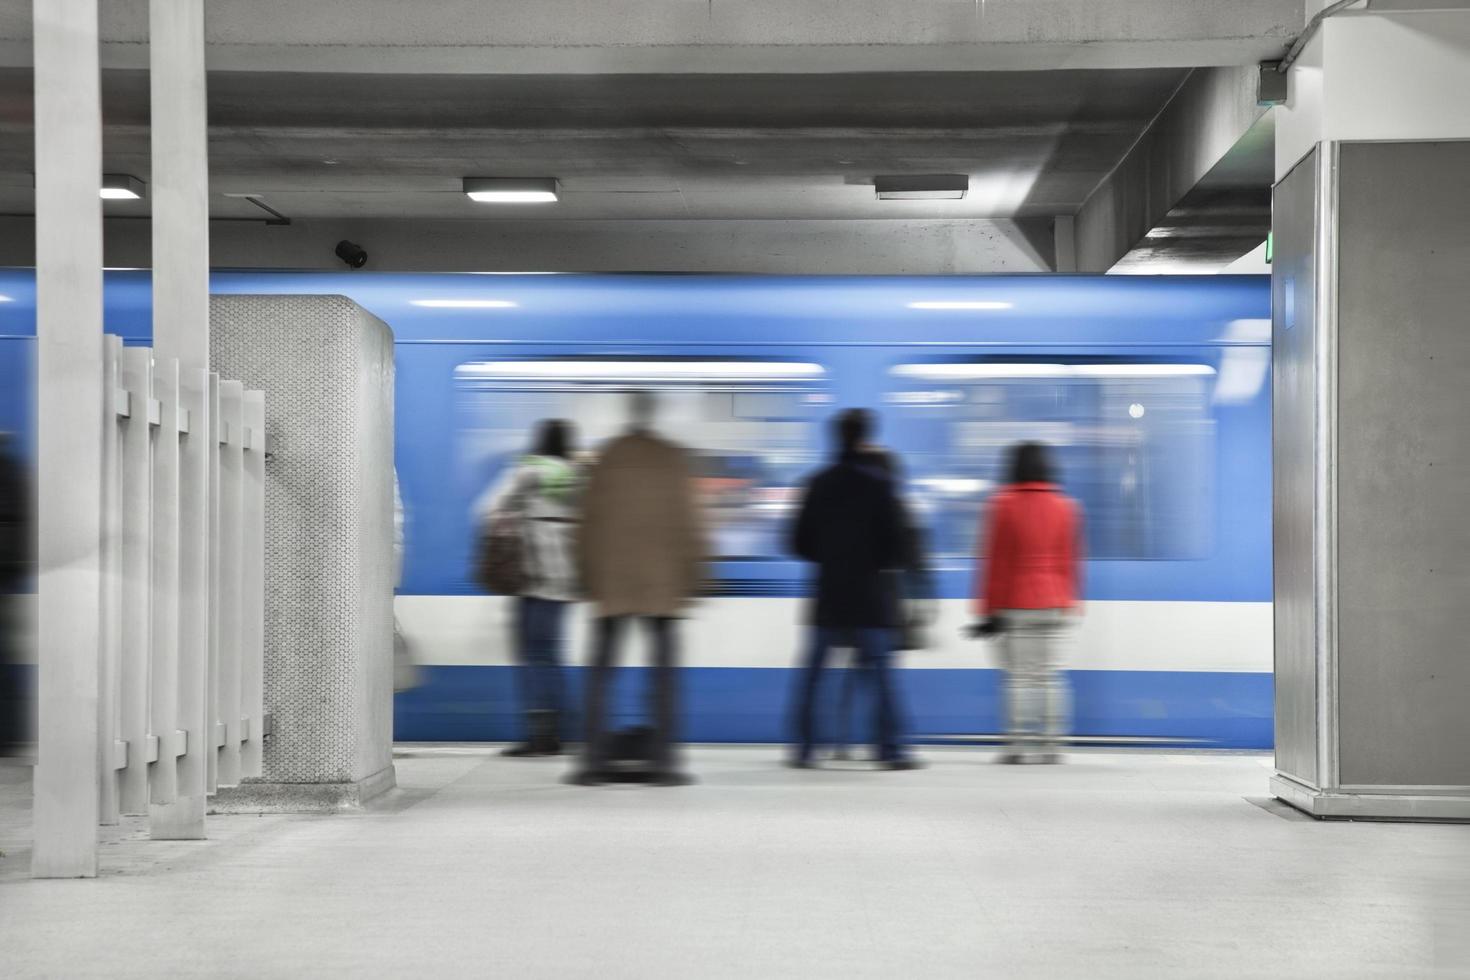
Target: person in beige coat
[{"x": 641, "y": 551}]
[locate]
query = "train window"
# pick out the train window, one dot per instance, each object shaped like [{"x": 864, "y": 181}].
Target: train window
[
  {"x": 753, "y": 427},
  {"x": 1134, "y": 443}
]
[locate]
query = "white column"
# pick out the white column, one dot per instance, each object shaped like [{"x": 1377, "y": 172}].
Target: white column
[
  {"x": 180, "y": 196},
  {"x": 69, "y": 346}
]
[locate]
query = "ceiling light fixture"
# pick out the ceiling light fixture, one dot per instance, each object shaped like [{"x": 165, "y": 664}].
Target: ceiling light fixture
[
  {"x": 922, "y": 187},
  {"x": 121, "y": 187},
  {"x": 511, "y": 190},
  {"x": 466, "y": 304},
  {"x": 961, "y": 304}
]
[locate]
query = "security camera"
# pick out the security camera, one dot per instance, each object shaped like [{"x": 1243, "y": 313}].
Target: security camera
[{"x": 354, "y": 255}]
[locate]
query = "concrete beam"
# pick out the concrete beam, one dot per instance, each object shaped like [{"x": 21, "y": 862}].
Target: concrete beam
[
  {"x": 615, "y": 36},
  {"x": 1206, "y": 118},
  {"x": 817, "y": 247}
]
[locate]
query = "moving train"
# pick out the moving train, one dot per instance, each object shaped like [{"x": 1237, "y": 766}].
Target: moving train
[{"x": 1155, "y": 393}]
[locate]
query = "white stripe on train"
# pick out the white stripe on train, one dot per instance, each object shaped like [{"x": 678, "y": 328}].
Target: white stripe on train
[{"x": 746, "y": 632}]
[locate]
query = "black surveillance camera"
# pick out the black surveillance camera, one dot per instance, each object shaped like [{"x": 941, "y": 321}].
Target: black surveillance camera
[{"x": 354, "y": 255}]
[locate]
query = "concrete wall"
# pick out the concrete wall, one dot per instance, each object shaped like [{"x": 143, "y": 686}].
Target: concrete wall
[
  {"x": 326, "y": 366},
  {"x": 859, "y": 247},
  {"x": 1400, "y": 76},
  {"x": 1205, "y": 119}
]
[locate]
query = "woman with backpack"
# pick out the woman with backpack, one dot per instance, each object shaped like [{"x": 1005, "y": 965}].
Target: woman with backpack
[{"x": 528, "y": 549}]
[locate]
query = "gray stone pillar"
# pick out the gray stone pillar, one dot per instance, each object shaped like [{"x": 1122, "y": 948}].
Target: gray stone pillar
[
  {"x": 69, "y": 395},
  {"x": 326, "y": 366},
  {"x": 180, "y": 205},
  {"x": 1372, "y": 466}
]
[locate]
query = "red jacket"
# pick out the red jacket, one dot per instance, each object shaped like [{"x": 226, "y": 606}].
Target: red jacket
[{"x": 1030, "y": 550}]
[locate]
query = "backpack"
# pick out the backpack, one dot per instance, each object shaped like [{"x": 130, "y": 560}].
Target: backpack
[{"x": 503, "y": 556}]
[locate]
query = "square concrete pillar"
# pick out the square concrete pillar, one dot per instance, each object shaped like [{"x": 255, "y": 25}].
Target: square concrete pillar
[
  {"x": 326, "y": 366},
  {"x": 1370, "y": 356}
]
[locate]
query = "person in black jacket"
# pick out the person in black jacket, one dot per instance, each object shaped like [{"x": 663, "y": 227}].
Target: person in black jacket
[
  {"x": 16, "y": 567},
  {"x": 852, "y": 527}
]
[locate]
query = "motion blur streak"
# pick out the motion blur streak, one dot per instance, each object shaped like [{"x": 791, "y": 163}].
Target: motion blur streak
[{"x": 1153, "y": 392}]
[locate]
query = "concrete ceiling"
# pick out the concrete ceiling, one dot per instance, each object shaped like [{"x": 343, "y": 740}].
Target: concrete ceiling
[
  {"x": 601, "y": 37},
  {"x": 1035, "y": 143}
]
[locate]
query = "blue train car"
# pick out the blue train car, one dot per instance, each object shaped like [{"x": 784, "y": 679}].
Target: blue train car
[{"x": 1154, "y": 391}]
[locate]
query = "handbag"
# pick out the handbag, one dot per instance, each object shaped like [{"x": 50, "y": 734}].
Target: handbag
[{"x": 504, "y": 558}]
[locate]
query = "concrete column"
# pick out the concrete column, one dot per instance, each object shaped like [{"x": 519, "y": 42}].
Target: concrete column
[
  {"x": 1372, "y": 456},
  {"x": 180, "y": 195},
  {"x": 69, "y": 347}
]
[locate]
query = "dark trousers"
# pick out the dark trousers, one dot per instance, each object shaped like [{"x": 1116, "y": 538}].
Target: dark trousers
[
  {"x": 663, "y": 693},
  {"x": 539, "y": 631},
  {"x": 874, "y": 654}
]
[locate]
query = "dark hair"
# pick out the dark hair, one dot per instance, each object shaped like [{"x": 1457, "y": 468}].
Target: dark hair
[
  {"x": 852, "y": 428},
  {"x": 553, "y": 438},
  {"x": 1031, "y": 463}
]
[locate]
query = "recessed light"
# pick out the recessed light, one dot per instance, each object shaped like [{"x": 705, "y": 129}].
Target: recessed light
[
  {"x": 466, "y": 304},
  {"x": 511, "y": 190},
  {"x": 961, "y": 304},
  {"x": 5, "y": 299},
  {"x": 922, "y": 187},
  {"x": 120, "y": 187}
]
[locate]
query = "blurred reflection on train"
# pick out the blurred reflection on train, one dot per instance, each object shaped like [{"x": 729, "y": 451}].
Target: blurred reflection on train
[
  {"x": 1153, "y": 392},
  {"x": 748, "y": 424}
]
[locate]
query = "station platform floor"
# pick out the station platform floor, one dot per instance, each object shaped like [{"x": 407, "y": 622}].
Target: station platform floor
[{"x": 1117, "y": 864}]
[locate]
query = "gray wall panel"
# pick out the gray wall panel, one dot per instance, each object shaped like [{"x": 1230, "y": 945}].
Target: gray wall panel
[
  {"x": 1293, "y": 352},
  {"x": 326, "y": 366},
  {"x": 1404, "y": 463}
]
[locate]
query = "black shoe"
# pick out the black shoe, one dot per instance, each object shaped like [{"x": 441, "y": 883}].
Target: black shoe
[
  {"x": 1009, "y": 759},
  {"x": 671, "y": 779},
  {"x": 800, "y": 764},
  {"x": 902, "y": 765},
  {"x": 524, "y": 750}
]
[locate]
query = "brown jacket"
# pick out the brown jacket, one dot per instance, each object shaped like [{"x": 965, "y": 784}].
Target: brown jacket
[{"x": 642, "y": 540}]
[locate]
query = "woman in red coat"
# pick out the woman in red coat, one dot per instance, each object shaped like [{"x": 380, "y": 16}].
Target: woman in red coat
[{"x": 1026, "y": 592}]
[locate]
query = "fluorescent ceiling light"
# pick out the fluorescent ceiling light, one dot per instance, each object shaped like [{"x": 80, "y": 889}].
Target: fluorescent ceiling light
[
  {"x": 961, "y": 304},
  {"x": 466, "y": 304},
  {"x": 511, "y": 190},
  {"x": 5, "y": 299},
  {"x": 986, "y": 372},
  {"x": 649, "y": 371},
  {"x": 922, "y": 187},
  {"x": 120, "y": 187}
]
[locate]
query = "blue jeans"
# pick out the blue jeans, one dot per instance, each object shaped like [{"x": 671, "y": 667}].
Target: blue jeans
[
  {"x": 538, "y": 643},
  {"x": 875, "y": 658}
]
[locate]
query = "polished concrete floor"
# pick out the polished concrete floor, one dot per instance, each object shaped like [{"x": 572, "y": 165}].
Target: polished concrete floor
[{"x": 1114, "y": 865}]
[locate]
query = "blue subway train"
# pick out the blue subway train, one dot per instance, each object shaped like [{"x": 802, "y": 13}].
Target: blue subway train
[{"x": 1155, "y": 393}]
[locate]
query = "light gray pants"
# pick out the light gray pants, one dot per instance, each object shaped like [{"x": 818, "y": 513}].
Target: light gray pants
[{"x": 1038, "y": 700}]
